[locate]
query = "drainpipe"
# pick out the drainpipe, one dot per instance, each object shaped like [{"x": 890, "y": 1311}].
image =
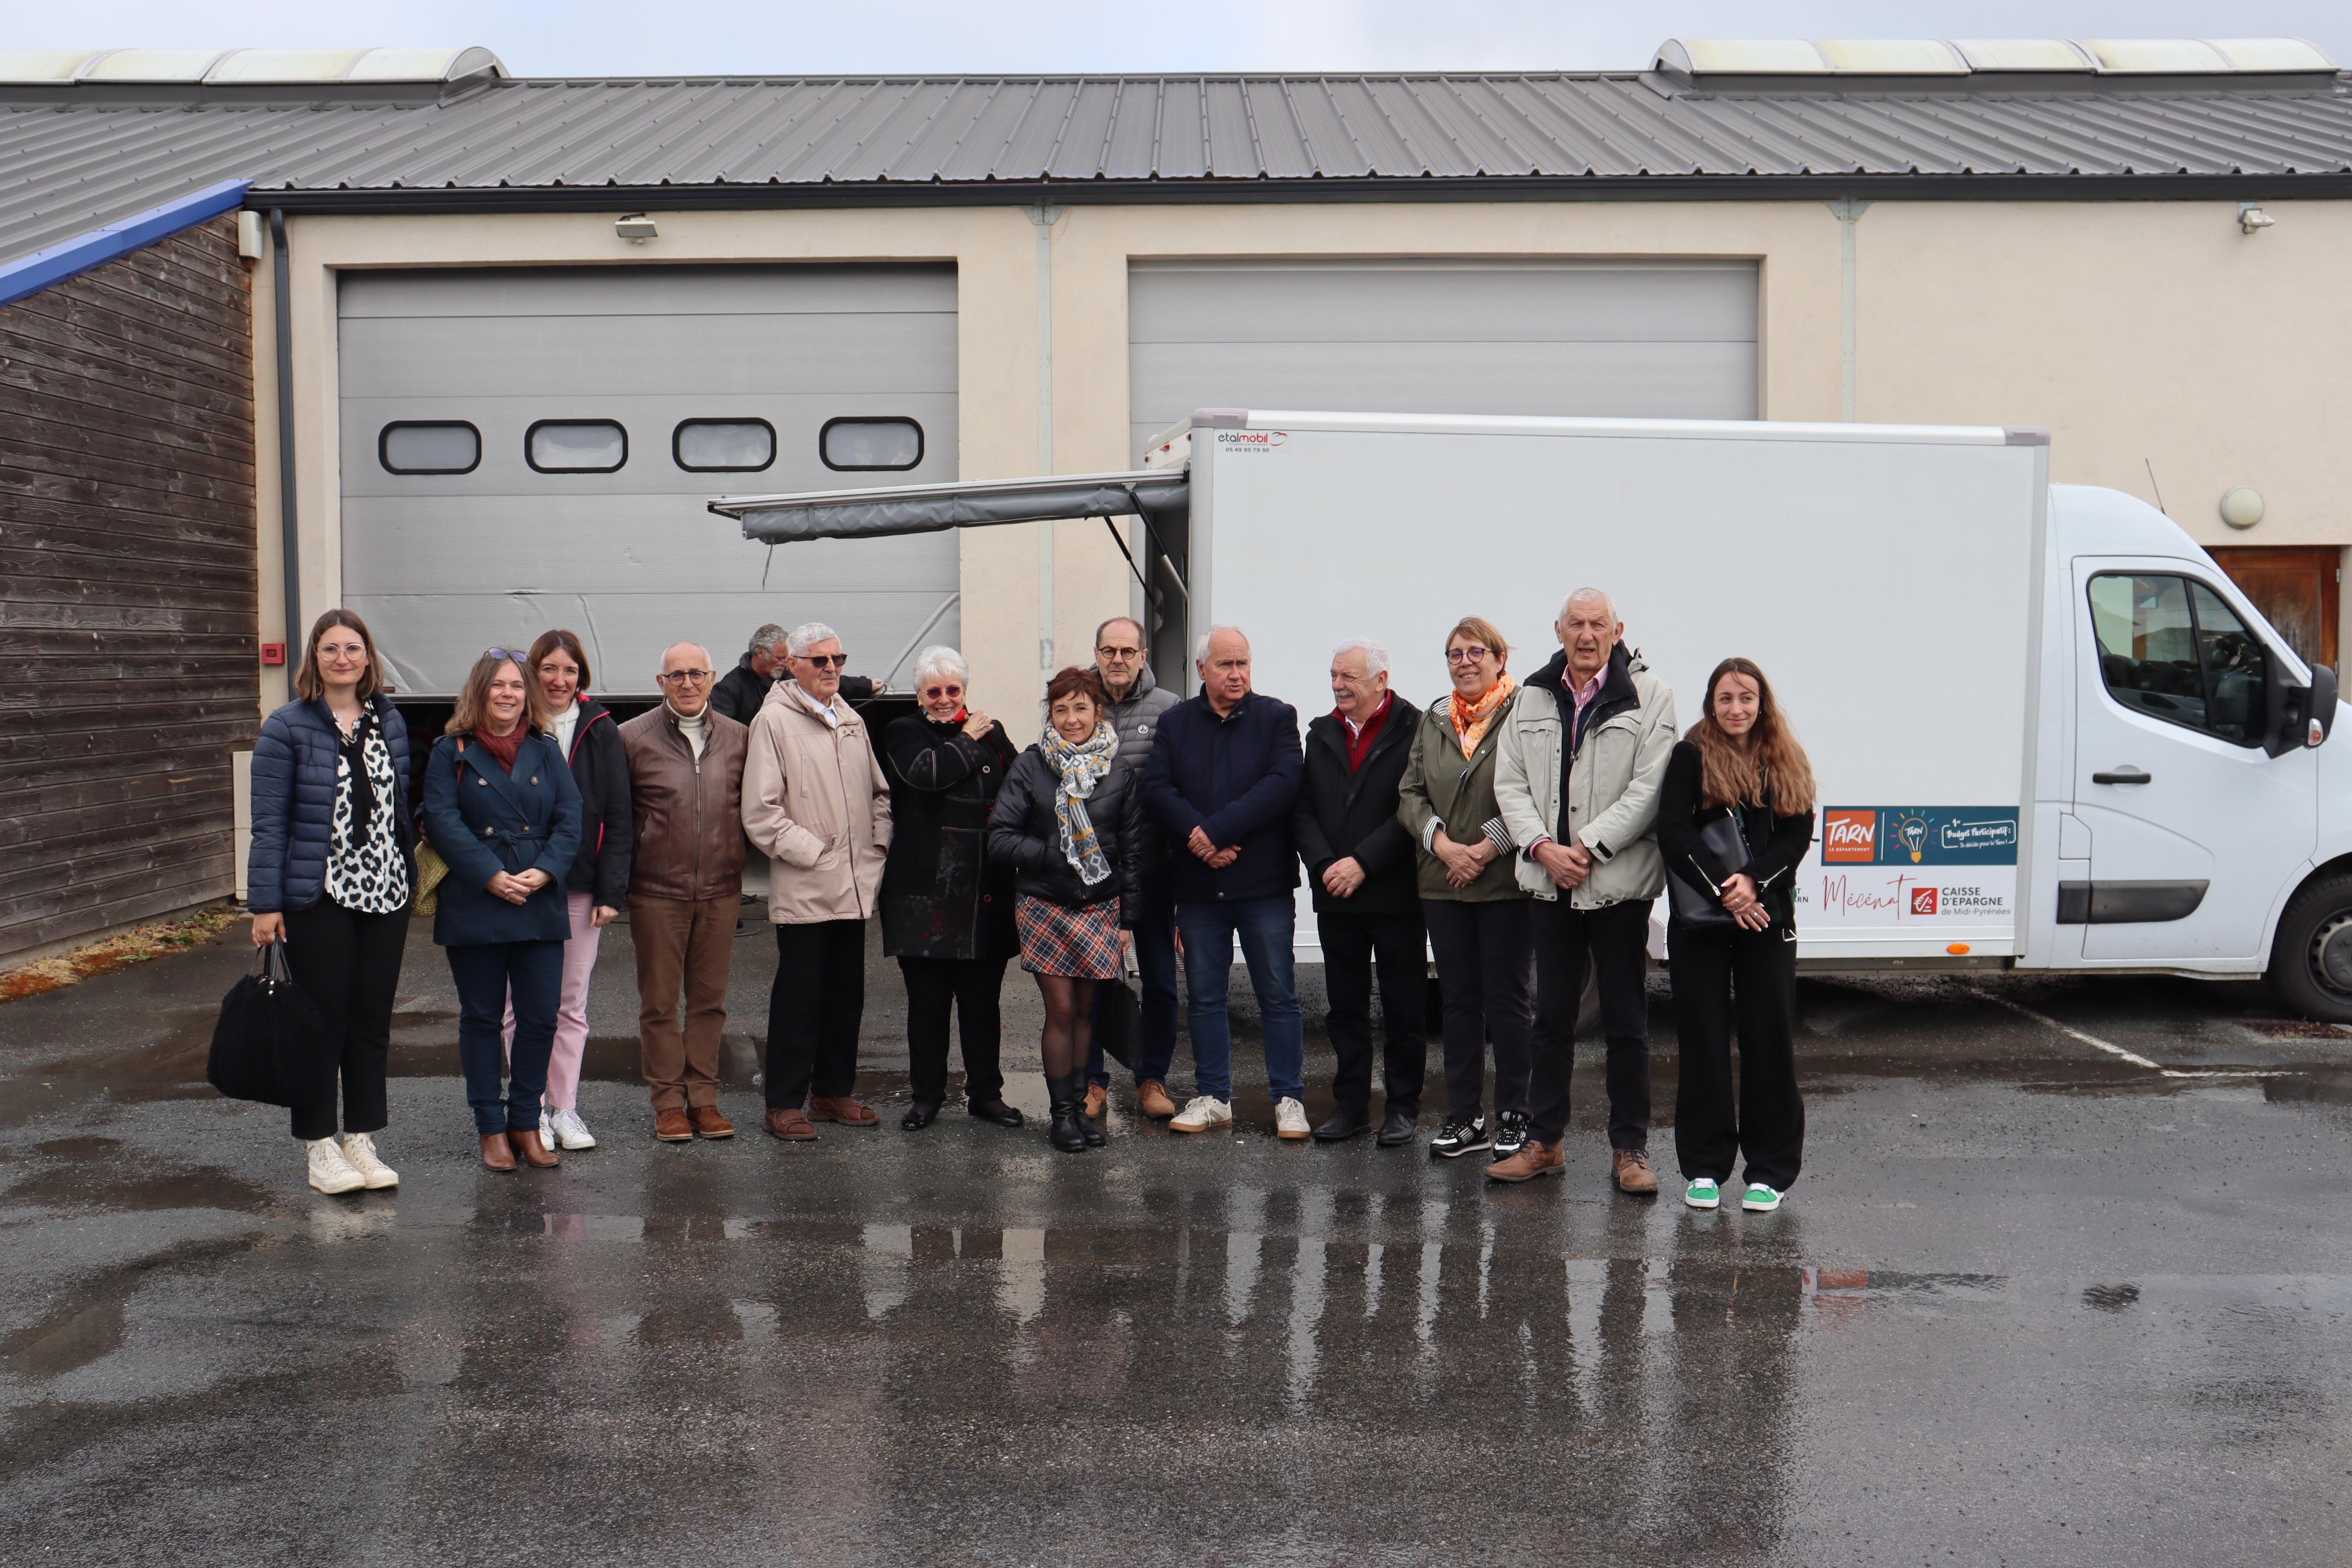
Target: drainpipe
[
  {"x": 280, "y": 275},
  {"x": 1045, "y": 216},
  {"x": 1848, "y": 211}
]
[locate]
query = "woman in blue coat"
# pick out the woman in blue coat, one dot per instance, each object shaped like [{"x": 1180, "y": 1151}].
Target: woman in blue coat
[
  {"x": 501, "y": 809},
  {"x": 331, "y": 865}
]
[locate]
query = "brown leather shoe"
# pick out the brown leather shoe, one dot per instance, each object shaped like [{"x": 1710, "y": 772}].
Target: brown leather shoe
[
  {"x": 841, "y": 1108},
  {"x": 531, "y": 1151},
  {"x": 709, "y": 1124},
  {"x": 495, "y": 1152},
  {"x": 1151, "y": 1099},
  {"x": 672, "y": 1127},
  {"x": 1632, "y": 1169},
  {"x": 1097, "y": 1098},
  {"x": 1533, "y": 1160},
  {"x": 790, "y": 1123}
]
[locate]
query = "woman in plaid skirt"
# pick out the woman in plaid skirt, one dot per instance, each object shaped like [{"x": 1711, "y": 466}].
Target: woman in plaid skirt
[{"x": 1069, "y": 821}]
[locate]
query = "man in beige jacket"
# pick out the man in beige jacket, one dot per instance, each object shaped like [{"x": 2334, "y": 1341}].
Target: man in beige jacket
[{"x": 815, "y": 801}]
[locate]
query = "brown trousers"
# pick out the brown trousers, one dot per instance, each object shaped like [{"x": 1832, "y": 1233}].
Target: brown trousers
[{"x": 685, "y": 944}]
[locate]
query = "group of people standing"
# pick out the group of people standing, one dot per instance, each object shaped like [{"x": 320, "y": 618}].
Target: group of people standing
[{"x": 1519, "y": 831}]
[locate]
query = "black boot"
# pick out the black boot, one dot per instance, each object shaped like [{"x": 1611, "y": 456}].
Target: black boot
[{"x": 1068, "y": 1132}]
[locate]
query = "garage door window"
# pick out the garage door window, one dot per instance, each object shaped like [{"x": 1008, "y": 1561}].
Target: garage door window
[
  {"x": 724, "y": 446},
  {"x": 861, "y": 443},
  {"x": 2171, "y": 648},
  {"x": 576, "y": 446},
  {"x": 429, "y": 447}
]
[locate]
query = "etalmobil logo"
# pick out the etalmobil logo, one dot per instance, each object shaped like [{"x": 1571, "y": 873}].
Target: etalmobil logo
[{"x": 1252, "y": 440}]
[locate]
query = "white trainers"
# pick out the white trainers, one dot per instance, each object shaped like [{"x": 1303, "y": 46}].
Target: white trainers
[
  {"x": 1289, "y": 1119},
  {"x": 359, "y": 1153},
  {"x": 330, "y": 1172},
  {"x": 566, "y": 1127},
  {"x": 1201, "y": 1112}
]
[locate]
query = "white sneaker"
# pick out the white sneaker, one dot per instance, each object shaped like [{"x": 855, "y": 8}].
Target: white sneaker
[
  {"x": 359, "y": 1153},
  {"x": 1290, "y": 1119},
  {"x": 1201, "y": 1112},
  {"x": 330, "y": 1172},
  {"x": 567, "y": 1126}
]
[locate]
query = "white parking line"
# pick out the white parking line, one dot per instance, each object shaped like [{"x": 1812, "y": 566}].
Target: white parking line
[{"x": 2116, "y": 1050}]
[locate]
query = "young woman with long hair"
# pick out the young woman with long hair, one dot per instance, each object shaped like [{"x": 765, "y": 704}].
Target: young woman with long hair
[
  {"x": 1738, "y": 971},
  {"x": 1069, "y": 821}
]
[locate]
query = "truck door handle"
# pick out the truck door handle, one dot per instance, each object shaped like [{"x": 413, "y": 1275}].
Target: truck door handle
[{"x": 2123, "y": 775}]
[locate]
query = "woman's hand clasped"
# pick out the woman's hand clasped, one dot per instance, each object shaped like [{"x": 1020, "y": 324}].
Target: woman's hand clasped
[
  {"x": 514, "y": 888},
  {"x": 1740, "y": 898}
]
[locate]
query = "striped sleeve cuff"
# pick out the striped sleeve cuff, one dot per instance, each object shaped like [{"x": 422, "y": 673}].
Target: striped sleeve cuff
[
  {"x": 1429, "y": 832},
  {"x": 1500, "y": 837}
]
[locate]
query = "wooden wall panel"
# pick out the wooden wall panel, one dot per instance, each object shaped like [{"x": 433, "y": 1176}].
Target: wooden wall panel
[{"x": 129, "y": 604}]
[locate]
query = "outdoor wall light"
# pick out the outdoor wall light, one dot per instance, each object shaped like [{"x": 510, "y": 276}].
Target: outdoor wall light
[
  {"x": 637, "y": 228},
  {"x": 2241, "y": 506},
  {"x": 2252, "y": 219}
]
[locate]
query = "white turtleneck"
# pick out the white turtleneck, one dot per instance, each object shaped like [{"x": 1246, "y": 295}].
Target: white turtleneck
[{"x": 691, "y": 727}]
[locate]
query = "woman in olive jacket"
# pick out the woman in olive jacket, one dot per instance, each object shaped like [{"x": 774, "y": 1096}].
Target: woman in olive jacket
[
  {"x": 502, "y": 811},
  {"x": 1471, "y": 899},
  {"x": 947, "y": 911}
]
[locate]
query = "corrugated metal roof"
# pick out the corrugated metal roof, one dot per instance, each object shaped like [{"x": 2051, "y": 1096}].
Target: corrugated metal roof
[{"x": 68, "y": 167}]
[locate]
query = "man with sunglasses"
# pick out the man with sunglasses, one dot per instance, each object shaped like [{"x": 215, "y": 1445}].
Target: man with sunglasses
[
  {"x": 686, "y": 880},
  {"x": 1137, "y": 704},
  {"x": 742, "y": 688},
  {"x": 817, "y": 803}
]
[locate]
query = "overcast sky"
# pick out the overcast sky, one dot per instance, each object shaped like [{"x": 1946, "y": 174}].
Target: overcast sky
[{"x": 777, "y": 38}]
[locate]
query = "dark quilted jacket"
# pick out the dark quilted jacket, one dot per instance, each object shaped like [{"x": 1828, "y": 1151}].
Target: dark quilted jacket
[{"x": 294, "y": 803}]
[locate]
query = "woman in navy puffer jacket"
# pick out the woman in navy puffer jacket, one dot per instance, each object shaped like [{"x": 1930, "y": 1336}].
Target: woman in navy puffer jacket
[{"x": 330, "y": 869}]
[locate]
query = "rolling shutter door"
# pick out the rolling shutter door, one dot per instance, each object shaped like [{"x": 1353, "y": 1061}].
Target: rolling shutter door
[
  {"x": 443, "y": 565},
  {"x": 1649, "y": 339}
]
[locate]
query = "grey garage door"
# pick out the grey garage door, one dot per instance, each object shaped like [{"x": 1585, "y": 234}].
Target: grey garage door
[
  {"x": 1629, "y": 340},
  {"x": 595, "y": 412}
]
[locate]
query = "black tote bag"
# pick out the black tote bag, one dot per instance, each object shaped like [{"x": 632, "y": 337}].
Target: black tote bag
[
  {"x": 1118, "y": 1021},
  {"x": 1720, "y": 841},
  {"x": 266, "y": 1046}
]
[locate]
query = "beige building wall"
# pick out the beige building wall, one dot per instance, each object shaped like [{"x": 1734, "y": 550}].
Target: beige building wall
[{"x": 2134, "y": 330}]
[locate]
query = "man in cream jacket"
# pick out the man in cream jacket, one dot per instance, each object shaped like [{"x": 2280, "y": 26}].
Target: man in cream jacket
[
  {"x": 1576, "y": 773},
  {"x": 817, "y": 803}
]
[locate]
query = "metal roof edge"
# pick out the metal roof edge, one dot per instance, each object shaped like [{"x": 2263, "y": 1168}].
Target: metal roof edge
[{"x": 28, "y": 275}]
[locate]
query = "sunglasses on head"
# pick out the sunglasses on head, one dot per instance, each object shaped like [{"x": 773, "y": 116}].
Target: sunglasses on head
[
  {"x": 827, "y": 660},
  {"x": 503, "y": 654}
]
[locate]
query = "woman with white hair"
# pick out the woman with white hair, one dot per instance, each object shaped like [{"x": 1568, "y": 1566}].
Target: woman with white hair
[{"x": 947, "y": 915}]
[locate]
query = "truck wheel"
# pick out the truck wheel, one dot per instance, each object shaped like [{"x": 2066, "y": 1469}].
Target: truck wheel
[{"x": 2311, "y": 959}]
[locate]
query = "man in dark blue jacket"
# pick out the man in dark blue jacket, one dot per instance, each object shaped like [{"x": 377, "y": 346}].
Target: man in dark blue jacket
[{"x": 1222, "y": 781}]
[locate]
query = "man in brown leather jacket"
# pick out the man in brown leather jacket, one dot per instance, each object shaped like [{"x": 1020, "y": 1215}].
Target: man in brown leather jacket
[{"x": 685, "y": 784}]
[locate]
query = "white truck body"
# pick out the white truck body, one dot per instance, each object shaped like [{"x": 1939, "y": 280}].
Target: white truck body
[{"x": 1922, "y": 601}]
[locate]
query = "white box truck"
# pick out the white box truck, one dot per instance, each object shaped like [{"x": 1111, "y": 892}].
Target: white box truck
[{"x": 2049, "y": 732}]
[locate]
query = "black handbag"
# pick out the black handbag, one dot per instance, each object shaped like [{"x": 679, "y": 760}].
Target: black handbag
[
  {"x": 1721, "y": 842},
  {"x": 1118, "y": 1020},
  {"x": 266, "y": 1045}
]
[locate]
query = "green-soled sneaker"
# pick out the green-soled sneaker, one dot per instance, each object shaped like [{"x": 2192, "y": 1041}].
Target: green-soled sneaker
[
  {"x": 1759, "y": 1198},
  {"x": 1701, "y": 1193}
]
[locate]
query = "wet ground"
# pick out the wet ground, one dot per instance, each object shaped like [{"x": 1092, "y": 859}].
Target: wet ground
[{"x": 2032, "y": 1303}]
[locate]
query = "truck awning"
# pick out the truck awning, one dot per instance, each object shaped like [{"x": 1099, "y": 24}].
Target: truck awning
[{"x": 883, "y": 512}]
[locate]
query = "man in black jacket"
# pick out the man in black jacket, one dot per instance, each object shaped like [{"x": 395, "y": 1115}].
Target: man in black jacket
[
  {"x": 1360, "y": 861},
  {"x": 745, "y": 687}
]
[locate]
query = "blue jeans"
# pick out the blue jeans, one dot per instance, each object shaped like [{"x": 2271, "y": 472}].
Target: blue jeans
[
  {"x": 1155, "y": 957},
  {"x": 1265, "y": 927},
  {"x": 486, "y": 974}
]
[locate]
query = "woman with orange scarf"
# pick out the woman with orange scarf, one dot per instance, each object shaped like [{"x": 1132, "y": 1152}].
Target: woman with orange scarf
[{"x": 1470, "y": 898}]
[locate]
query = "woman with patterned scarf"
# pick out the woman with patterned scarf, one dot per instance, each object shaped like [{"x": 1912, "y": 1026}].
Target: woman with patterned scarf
[
  {"x": 1471, "y": 901},
  {"x": 1069, "y": 821}
]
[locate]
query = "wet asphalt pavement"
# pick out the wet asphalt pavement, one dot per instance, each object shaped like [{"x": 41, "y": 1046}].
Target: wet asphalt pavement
[{"x": 2031, "y": 1303}]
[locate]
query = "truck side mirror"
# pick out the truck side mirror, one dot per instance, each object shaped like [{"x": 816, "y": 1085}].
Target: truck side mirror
[{"x": 2299, "y": 716}]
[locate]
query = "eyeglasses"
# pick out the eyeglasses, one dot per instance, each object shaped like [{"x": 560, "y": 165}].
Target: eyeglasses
[
  {"x": 935, "y": 692},
  {"x": 1118, "y": 653},
  {"x": 503, "y": 654},
  {"x": 827, "y": 660},
  {"x": 688, "y": 677},
  {"x": 1470, "y": 655}
]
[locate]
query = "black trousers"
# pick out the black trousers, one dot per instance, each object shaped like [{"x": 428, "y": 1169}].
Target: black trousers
[
  {"x": 971, "y": 987},
  {"x": 1353, "y": 946},
  {"x": 814, "y": 1010},
  {"x": 1615, "y": 941},
  {"x": 1748, "y": 981},
  {"x": 1482, "y": 965},
  {"x": 348, "y": 963}
]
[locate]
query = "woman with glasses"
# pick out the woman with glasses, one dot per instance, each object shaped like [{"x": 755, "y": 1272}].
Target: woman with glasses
[
  {"x": 599, "y": 879},
  {"x": 331, "y": 867},
  {"x": 501, "y": 809},
  {"x": 1471, "y": 901},
  {"x": 947, "y": 912}
]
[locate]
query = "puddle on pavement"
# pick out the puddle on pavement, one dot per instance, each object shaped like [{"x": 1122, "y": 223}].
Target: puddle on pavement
[{"x": 99, "y": 1175}]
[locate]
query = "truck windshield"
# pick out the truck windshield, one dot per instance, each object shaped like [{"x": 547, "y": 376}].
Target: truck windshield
[{"x": 2172, "y": 648}]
